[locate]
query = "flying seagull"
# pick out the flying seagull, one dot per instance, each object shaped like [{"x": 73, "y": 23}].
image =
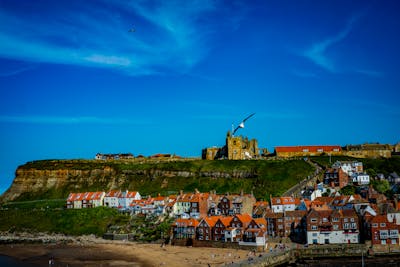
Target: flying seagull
[
  {"x": 132, "y": 30},
  {"x": 241, "y": 125}
]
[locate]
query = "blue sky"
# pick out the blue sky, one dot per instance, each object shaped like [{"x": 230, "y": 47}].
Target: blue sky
[{"x": 146, "y": 77}]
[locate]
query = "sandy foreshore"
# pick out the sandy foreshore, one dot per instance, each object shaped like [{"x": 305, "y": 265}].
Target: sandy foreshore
[{"x": 99, "y": 252}]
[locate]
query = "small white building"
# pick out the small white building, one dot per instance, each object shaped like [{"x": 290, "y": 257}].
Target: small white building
[
  {"x": 349, "y": 167},
  {"x": 126, "y": 198},
  {"x": 360, "y": 178},
  {"x": 282, "y": 204},
  {"x": 230, "y": 234},
  {"x": 111, "y": 199}
]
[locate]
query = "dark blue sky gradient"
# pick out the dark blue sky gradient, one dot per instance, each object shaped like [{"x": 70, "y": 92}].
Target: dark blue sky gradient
[{"x": 74, "y": 81}]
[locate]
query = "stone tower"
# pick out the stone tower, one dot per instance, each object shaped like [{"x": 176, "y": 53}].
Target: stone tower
[{"x": 238, "y": 147}]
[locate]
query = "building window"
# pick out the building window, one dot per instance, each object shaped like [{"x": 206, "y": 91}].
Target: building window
[
  {"x": 383, "y": 234},
  {"x": 305, "y": 150},
  {"x": 335, "y": 227},
  {"x": 314, "y": 227},
  {"x": 352, "y": 219},
  {"x": 383, "y": 224}
]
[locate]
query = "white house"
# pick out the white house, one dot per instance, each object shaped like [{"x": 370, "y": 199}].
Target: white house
[
  {"x": 230, "y": 234},
  {"x": 360, "y": 178},
  {"x": 78, "y": 200},
  {"x": 281, "y": 204},
  {"x": 126, "y": 197},
  {"x": 349, "y": 167},
  {"x": 332, "y": 227},
  {"x": 111, "y": 199},
  {"x": 96, "y": 199}
]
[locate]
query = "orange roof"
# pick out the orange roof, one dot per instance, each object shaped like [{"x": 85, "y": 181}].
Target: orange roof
[
  {"x": 261, "y": 204},
  {"x": 113, "y": 193},
  {"x": 307, "y": 202},
  {"x": 280, "y": 149},
  {"x": 244, "y": 218},
  {"x": 326, "y": 200},
  {"x": 131, "y": 194},
  {"x": 71, "y": 197},
  {"x": 285, "y": 201},
  {"x": 79, "y": 197},
  {"x": 159, "y": 198},
  {"x": 226, "y": 220},
  {"x": 261, "y": 221},
  {"x": 211, "y": 220},
  {"x": 97, "y": 195}
]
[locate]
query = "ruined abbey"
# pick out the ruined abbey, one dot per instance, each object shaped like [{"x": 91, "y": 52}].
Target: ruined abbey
[{"x": 236, "y": 148}]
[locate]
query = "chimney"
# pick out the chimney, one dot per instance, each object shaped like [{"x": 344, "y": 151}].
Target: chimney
[
  {"x": 241, "y": 192},
  {"x": 181, "y": 192},
  {"x": 196, "y": 191}
]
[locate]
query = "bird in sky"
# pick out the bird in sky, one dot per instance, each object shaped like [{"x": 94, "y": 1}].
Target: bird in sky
[
  {"x": 132, "y": 30},
  {"x": 241, "y": 125}
]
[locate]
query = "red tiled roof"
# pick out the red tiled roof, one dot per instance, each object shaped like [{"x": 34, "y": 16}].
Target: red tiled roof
[
  {"x": 244, "y": 218},
  {"x": 280, "y": 149},
  {"x": 211, "y": 220},
  {"x": 261, "y": 221},
  {"x": 113, "y": 193},
  {"x": 226, "y": 220}
]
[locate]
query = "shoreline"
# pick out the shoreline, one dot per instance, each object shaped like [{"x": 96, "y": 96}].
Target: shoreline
[
  {"x": 92, "y": 251},
  {"x": 39, "y": 248}
]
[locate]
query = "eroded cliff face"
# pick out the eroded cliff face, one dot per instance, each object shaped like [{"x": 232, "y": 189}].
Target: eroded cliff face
[
  {"x": 37, "y": 181},
  {"x": 58, "y": 182}
]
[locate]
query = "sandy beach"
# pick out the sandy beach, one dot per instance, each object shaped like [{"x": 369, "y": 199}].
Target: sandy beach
[{"x": 119, "y": 253}]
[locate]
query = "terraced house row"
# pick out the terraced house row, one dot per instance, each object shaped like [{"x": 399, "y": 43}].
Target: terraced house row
[{"x": 324, "y": 220}]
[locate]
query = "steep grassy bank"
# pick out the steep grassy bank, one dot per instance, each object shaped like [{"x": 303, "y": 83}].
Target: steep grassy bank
[
  {"x": 372, "y": 166},
  {"x": 49, "y": 216},
  {"x": 69, "y": 222},
  {"x": 57, "y": 178}
]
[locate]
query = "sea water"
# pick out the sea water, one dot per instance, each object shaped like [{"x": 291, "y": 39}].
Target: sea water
[{"x": 6, "y": 261}]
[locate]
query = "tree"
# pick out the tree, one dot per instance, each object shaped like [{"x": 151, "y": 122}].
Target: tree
[
  {"x": 348, "y": 190},
  {"x": 381, "y": 186}
]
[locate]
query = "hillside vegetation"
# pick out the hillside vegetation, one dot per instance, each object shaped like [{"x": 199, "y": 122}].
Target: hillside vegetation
[{"x": 371, "y": 166}]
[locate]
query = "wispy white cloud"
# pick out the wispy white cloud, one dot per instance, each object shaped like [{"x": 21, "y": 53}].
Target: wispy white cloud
[
  {"x": 70, "y": 120},
  {"x": 169, "y": 36},
  {"x": 317, "y": 53}
]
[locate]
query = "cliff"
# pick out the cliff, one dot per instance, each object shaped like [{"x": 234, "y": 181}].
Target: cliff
[{"x": 57, "y": 178}]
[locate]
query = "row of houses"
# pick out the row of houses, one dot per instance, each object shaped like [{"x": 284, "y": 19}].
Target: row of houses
[
  {"x": 240, "y": 218},
  {"x": 326, "y": 220},
  {"x": 343, "y": 173},
  {"x": 113, "y": 199}
]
